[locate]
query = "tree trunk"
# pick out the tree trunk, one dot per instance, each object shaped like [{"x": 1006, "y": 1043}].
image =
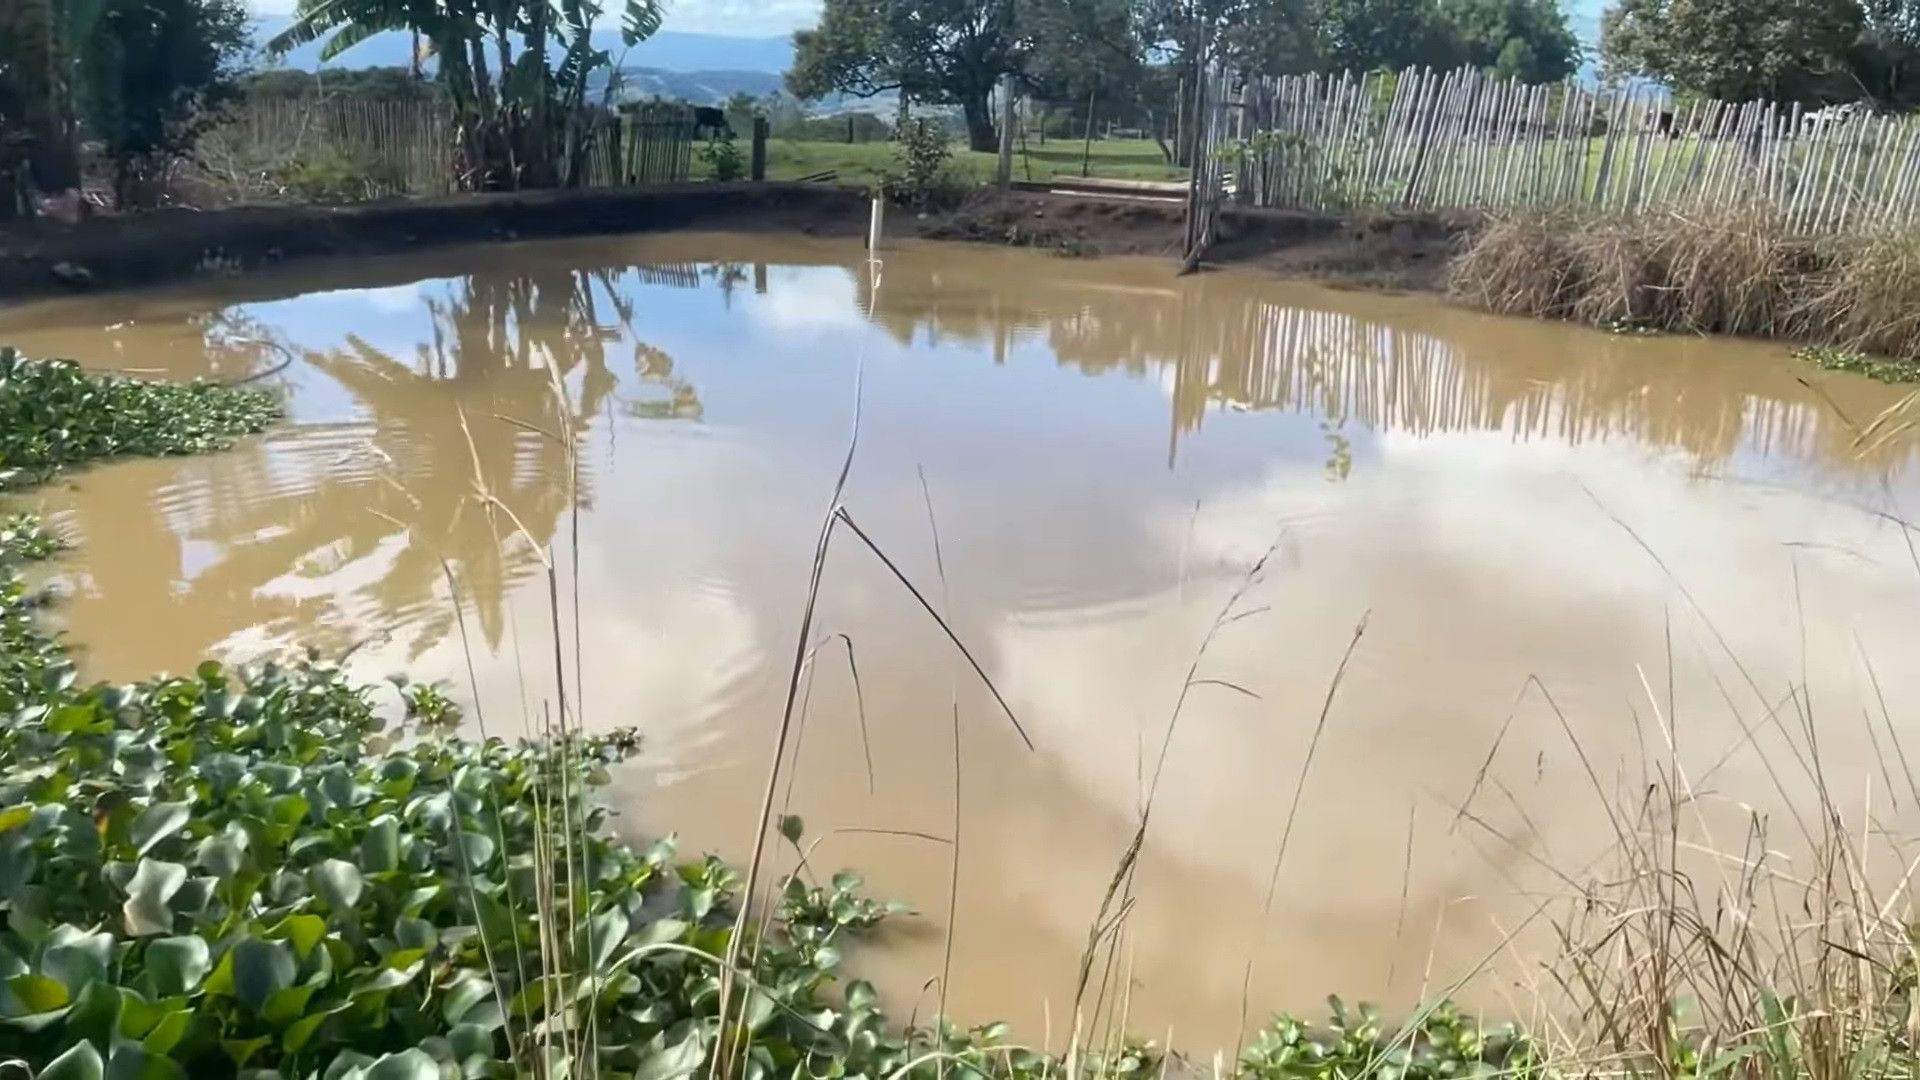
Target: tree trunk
[{"x": 981, "y": 134}]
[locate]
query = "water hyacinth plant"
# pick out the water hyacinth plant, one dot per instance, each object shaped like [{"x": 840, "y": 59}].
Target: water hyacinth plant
[
  {"x": 233, "y": 872},
  {"x": 54, "y": 413}
]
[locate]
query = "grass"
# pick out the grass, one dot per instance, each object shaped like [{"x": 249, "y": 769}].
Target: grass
[{"x": 868, "y": 163}]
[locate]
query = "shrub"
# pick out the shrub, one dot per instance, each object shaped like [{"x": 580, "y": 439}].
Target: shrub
[
  {"x": 722, "y": 157},
  {"x": 921, "y": 153}
]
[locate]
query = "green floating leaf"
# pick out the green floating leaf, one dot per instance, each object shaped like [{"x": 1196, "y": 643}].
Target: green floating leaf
[
  {"x": 168, "y": 1032},
  {"x": 380, "y": 847},
  {"x": 259, "y": 969},
  {"x": 475, "y": 850},
  {"x": 77, "y": 958},
  {"x": 35, "y": 993},
  {"x": 223, "y": 855},
  {"x": 303, "y": 931},
  {"x": 156, "y": 823},
  {"x": 792, "y": 827},
  {"x": 153, "y": 884},
  {"x": 405, "y": 1065},
  {"x": 339, "y": 883},
  {"x": 132, "y": 1061},
  {"x": 80, "y": 1062},
  {"x": 177, "y": 964},
  {"x": 605, "y": 932},
  {"x": 676, "y": 1060},
  {"x": 95, "y": 1015},
  {"x": 463, "y": 996}
]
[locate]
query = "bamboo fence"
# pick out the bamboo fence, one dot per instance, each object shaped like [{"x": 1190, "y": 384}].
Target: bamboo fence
[{"x": 1461, "y": 140}]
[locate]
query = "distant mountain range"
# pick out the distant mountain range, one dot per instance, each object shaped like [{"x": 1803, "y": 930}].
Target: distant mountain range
[
  {"x": 667, "y": 51},
  {"x": 698, "y": 87}
]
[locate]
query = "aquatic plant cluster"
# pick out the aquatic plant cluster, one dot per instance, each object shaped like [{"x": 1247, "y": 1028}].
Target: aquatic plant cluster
[
  {"x": 54, "y": 413},
  {"x": 269, "y": 871},
  {"x": 1832, "y": 359}
]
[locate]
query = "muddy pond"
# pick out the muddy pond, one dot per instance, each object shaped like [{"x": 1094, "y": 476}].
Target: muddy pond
[{"x": 1561, "y": 543}]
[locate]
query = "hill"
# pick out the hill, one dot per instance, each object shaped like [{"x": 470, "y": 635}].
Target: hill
[
  {"x": 712, "y": 55},
  {"x": 698, "y": 87}
]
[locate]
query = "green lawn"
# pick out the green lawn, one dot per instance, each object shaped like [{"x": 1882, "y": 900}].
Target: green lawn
[{"x": 865, "y": 163}]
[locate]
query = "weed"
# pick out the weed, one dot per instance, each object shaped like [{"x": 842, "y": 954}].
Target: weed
[
  {"x": 921, "y": 154},
  {"x": 722, "y": 157}
]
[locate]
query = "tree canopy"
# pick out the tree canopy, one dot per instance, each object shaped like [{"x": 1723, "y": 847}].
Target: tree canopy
[
  {"x": 1810, "y": 51},
  {"x": 941, "y": 52},
  {"x": 1131, "y": 54}
]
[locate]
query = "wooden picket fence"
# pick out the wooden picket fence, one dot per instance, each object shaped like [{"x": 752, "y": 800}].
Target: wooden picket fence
[
  {"x": 340, "y": 148},
  {"x": 1427, "y": 140}
]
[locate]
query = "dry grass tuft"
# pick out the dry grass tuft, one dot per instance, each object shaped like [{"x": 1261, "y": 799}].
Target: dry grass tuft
[
  {"x": 1727, "y": 270},
  {"x": 1519, "y": 265}
]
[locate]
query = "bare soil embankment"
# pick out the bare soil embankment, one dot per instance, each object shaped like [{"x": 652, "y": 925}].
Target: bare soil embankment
[{"x": 44, "y": 258}]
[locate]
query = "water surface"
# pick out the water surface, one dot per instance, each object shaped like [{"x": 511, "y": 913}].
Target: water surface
[{"x": 1631, "y": 543}]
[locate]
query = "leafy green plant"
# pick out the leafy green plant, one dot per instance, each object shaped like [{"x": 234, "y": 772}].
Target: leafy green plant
[
  {"x": 53, "y": 413},
  {"x": 1442, "y": 1044},
  {"x": 921, "y": 152},
  {"x": 1832, "y": 359},
  {"x": 722, "y": 157}
]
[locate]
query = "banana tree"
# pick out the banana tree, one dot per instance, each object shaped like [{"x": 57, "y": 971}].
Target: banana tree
[{"x": 522, "y": 118}]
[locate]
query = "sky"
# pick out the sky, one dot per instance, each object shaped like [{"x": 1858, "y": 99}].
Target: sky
[{"x": 740, "y": 18}]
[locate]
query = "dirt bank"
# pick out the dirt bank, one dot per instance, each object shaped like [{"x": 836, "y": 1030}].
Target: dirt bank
[{"x": 41, "y": 258}]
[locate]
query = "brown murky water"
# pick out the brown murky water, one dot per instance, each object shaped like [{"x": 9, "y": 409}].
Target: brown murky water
[{"x": 1108, "y": 449}]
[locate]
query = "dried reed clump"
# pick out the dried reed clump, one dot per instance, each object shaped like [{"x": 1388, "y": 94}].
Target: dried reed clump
[
  {"x": 1865, "y": 294},
  {"x": 1522, "y": 264},
  {"x": 1728, "y": 270}
]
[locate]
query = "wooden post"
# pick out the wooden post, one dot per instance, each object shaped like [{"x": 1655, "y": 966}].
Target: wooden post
[
  {"x": 1086, "y": 152},
  {"x": 1003, "y": 173},
  {"x": 757, "y": 169}
]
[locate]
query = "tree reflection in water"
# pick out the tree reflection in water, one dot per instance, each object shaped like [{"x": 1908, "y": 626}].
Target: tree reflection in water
[
  {"x": 362, "y": 509},
  {"x": 324, "y": 531}
]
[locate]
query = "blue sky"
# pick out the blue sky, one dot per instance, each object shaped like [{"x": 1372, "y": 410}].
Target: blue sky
[{"x": 744, "y": 18}]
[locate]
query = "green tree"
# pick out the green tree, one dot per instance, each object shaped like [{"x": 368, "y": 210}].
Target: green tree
[
  {"x": 156, "y": 73},
  {"x": 941, "y": 52},
  {"x": 1260, "y": 37},
  {"x": 1366, "y": 35},
  {"x": 38, "y": 93},
  {"x": 1884, "y": 61},
  {"x": 1514, "y": 39},
  {"x": 1090, "y": 53},
  {"x": 522, "y": 116},
  {"x": 1736, "y": 49}
]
